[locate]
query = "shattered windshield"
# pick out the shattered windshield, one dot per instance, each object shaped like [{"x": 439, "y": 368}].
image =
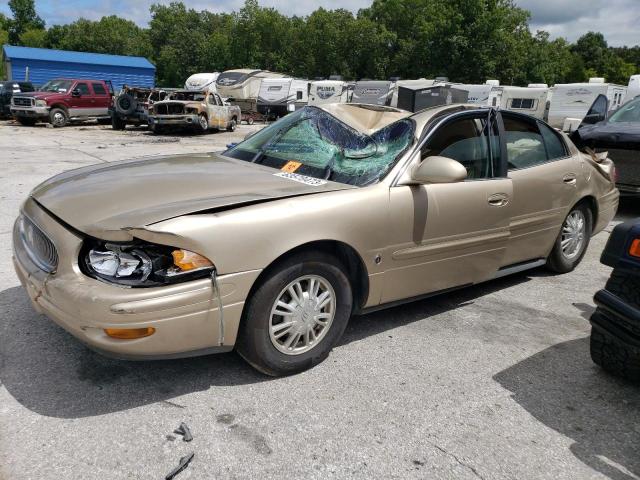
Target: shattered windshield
[
  {"x": 628, "y": 113},
  {"x": 313, "y": 143},
  {"x": 60, "y": 86},
  {"x": 188, "y": 96}
]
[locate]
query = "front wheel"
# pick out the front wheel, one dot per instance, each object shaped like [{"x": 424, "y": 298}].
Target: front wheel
[
  {"x": 118, "y": 123},
  {"x": 58, "y": 117},
  {"x": 297, "y": 315},
  {"x": 572, "y": 241},
  {"x": 203, "y": 123}
]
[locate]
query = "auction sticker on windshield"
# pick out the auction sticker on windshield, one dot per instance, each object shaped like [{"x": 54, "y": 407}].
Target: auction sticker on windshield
[
  {"x": 291, "y": 166},
  {"x": 315, "y": 182}
]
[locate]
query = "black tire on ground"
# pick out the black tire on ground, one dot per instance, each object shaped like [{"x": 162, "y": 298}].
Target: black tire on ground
[
  {"x": 118, "y": 123},
  {"x": 203, "y": 123},
  {"x": 614, "y": 357},
  {"x": 557, "y": 261},
  {"x": 104, "y": 120},
  {"x": 232, "y": 125},
  {"x": 58, "y": 117},
  {"x": 26, "y": 121},
  {"x": 254, "y": 343},
  {"x": 249, "y": 120},
  {"x": 157, "y": 129}
]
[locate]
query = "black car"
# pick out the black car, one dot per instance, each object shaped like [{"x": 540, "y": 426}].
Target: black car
[
  {"x": 615, "y": 332},
  {"x": 7, "y": 89},
  {"x": 619, "y": 135}
]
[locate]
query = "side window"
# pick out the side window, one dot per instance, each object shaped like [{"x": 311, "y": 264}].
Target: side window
[
  {"x": 98, "y": 89},
  {"x": 525, "y": 145},
  {"x": 468, "y": 141},
  {"x": 299, "y": 95},
  {"x": 83, "y": 88},
  {"x": 218, "y": 100},
  {"x": 522, "y": 103},
  {"x": 555, "y": 146},
  {"x": 212, "y": 100}
]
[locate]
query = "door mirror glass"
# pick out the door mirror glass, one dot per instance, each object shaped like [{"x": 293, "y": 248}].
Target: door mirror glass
[
  {"x": 438, "y": 170},
  {"x": 597, "y": 112}
]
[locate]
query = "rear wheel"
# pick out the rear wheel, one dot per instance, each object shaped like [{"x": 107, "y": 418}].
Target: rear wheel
[
  {"x": 26, "y": 121},
  {"x": 572, "y": 241},
  {"x": 118, "y": 123},
  {"x": 296, "y": 315},
  {"x": 232, "y": 125},
  {"x": 58, "y": 117}
]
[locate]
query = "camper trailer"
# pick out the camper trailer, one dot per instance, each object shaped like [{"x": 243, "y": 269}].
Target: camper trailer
[
  {"x": 416, "y": 98},
  {"x": 202, "y": 81},
  {"x": 328, "y": 91},
  {"x": 633, "y": 90},
  {"x": 279, "y": 96},
  {"x": 419, "y": 83},
  {"x": 572, "y": 100},
  {"x": 373, "y": 92},
  {"x": 242, "y": 86},
  {"x": 478, "y": 94},
  {"x": 529, "y": 100}
]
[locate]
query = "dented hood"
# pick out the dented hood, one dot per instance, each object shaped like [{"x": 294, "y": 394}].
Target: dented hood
[{"x": 107, "y": 200}]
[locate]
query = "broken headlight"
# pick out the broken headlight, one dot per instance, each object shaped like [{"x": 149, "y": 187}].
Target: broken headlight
[{"x": 142, "y": 264}]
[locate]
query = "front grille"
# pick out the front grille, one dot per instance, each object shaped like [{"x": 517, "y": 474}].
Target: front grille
[
  {"x": 40, "y": 249},
  {"x": 169, "y": 109},
  {"x": 22, "y": 101}
]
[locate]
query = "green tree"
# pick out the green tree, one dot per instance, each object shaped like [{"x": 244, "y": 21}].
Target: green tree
[
  {"x": 24, "y": 18},
  {"x": 34, "y": 37}
]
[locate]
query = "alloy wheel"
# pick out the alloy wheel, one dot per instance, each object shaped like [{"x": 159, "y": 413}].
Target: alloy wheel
[{"x": 573, "y": 234}]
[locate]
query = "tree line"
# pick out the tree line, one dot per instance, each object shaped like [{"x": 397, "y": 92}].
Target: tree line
[{"x": 466, "y": 40}]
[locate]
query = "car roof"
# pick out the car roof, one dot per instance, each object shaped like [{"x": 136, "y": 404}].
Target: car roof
[{"x": 365, "y": 118}]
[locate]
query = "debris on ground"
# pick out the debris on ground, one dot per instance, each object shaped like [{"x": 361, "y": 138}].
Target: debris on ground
[
  {"x": 184, "y": 430},
  {"x": 184, "y": 462}
]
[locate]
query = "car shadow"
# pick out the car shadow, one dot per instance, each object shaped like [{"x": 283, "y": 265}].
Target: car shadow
[
  {"x": 51, "y": 373},
  {"x": 562, "y": 388}
]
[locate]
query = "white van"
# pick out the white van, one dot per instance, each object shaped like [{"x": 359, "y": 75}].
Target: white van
[
  {"x": 328, "y": 91},
  {"x": 572, "y": 100}
]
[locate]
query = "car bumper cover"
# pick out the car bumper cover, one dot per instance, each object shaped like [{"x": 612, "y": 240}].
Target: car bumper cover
[{"x": 617, "y": 320}]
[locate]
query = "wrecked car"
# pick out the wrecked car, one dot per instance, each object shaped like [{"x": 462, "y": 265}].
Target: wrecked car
[
  {"x": 200, "y": 110},
  {"x": 619, "y": 135},
  {"x": 615, "y": 325},
  {"x": 334, "y": 210},
  {"x": 131, "y": 105}
]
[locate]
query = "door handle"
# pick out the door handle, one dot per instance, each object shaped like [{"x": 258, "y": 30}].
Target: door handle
[
  {"x": 570, "y": 179},
  {"x": 498, "y": 200}
]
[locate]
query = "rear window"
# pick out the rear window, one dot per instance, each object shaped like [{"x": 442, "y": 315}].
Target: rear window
[{"x": 554, "y": 144}]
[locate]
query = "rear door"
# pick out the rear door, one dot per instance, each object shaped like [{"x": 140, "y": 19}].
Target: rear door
[
  {"x": 445, "y": 235},
  {"x": 101, "y": 98},
  {"x": 544, "y": 177}
]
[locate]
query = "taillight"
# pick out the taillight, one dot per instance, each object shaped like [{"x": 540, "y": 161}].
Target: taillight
[{"x": 634, "y": 249}]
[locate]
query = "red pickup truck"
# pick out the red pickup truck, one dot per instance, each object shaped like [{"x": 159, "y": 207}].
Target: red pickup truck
[{"x": 61, "y": 100}]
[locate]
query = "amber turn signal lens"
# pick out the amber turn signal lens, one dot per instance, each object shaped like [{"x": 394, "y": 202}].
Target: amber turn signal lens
[
  {"x": 634, "y": 249},
  {"x": 186, "y": 260},
  {"x": 129, "y": 333}
]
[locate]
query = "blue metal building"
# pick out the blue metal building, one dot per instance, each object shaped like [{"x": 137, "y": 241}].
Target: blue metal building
[{"x": 42, "y": 65}]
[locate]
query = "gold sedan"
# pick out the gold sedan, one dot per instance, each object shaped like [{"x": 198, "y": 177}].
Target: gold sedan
[{"x": 270, "y": 247}]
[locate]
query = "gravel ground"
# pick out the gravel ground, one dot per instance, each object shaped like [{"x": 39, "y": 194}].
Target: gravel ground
[{"x": 490, "y": 382}]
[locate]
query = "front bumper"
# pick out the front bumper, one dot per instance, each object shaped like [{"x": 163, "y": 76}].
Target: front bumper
[
  {"x": 175, "y": 120},
  {"x": 36, "y": 112},
  {"x": 618, "y": 321},
  {"x": 186, "y": 316}
]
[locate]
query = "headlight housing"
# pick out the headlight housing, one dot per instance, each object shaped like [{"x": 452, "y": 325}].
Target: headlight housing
[
  {"x": 41, "y": 103},
  {"x": 141, "y": 264}
]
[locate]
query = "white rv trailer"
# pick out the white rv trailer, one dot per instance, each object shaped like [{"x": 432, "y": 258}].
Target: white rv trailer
[
  {"x": 633, "y": 89},
  {"x": 328, "y": 91},
  {"x": 532, "y": 101},
  {"x": 278, "y": 96},
  {"x": 419, "y": 83},
  {"x": 478, "y": 94},
  {"x": 242, "y": 86},
  {"x": 373, "y": 92},
  {"x": 202, "y": 81},
  {"x": 572, "y": 100}
]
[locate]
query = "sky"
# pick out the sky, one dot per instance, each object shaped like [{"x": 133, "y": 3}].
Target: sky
[{"x": 618, "y": 20}]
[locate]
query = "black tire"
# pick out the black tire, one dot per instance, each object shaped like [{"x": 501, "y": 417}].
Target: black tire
[
  {"x": 249, "y": 120},
  {"x": 58, "y": 117},
  {"x": 232, "y": 125},
  {"x": 254, "y": 343},
  {"x": 157, "y": 129},
  {"x": 614, "y": 357},
  {"x": 26, "y": 121},
  {"x": 118, "y": 123},
  {"x": 104, "y": 121},
  {"x": 126, "y": 104},
  {"x": 557, "y": 261},
  {"x": 203, "y": 123}
]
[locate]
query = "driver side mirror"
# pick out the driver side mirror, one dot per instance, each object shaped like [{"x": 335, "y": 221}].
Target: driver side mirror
[
  {"x": 597, "y": 112},
  {"x": 438, "y": 170},
  {"x": 75, "y": 92}
]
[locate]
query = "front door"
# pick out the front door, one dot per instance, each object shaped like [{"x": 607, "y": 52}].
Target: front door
[
  {"x": 544, "y": 177},
  {"x": 451, "y": 234},
  {"x": 81, "y": 102}
]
